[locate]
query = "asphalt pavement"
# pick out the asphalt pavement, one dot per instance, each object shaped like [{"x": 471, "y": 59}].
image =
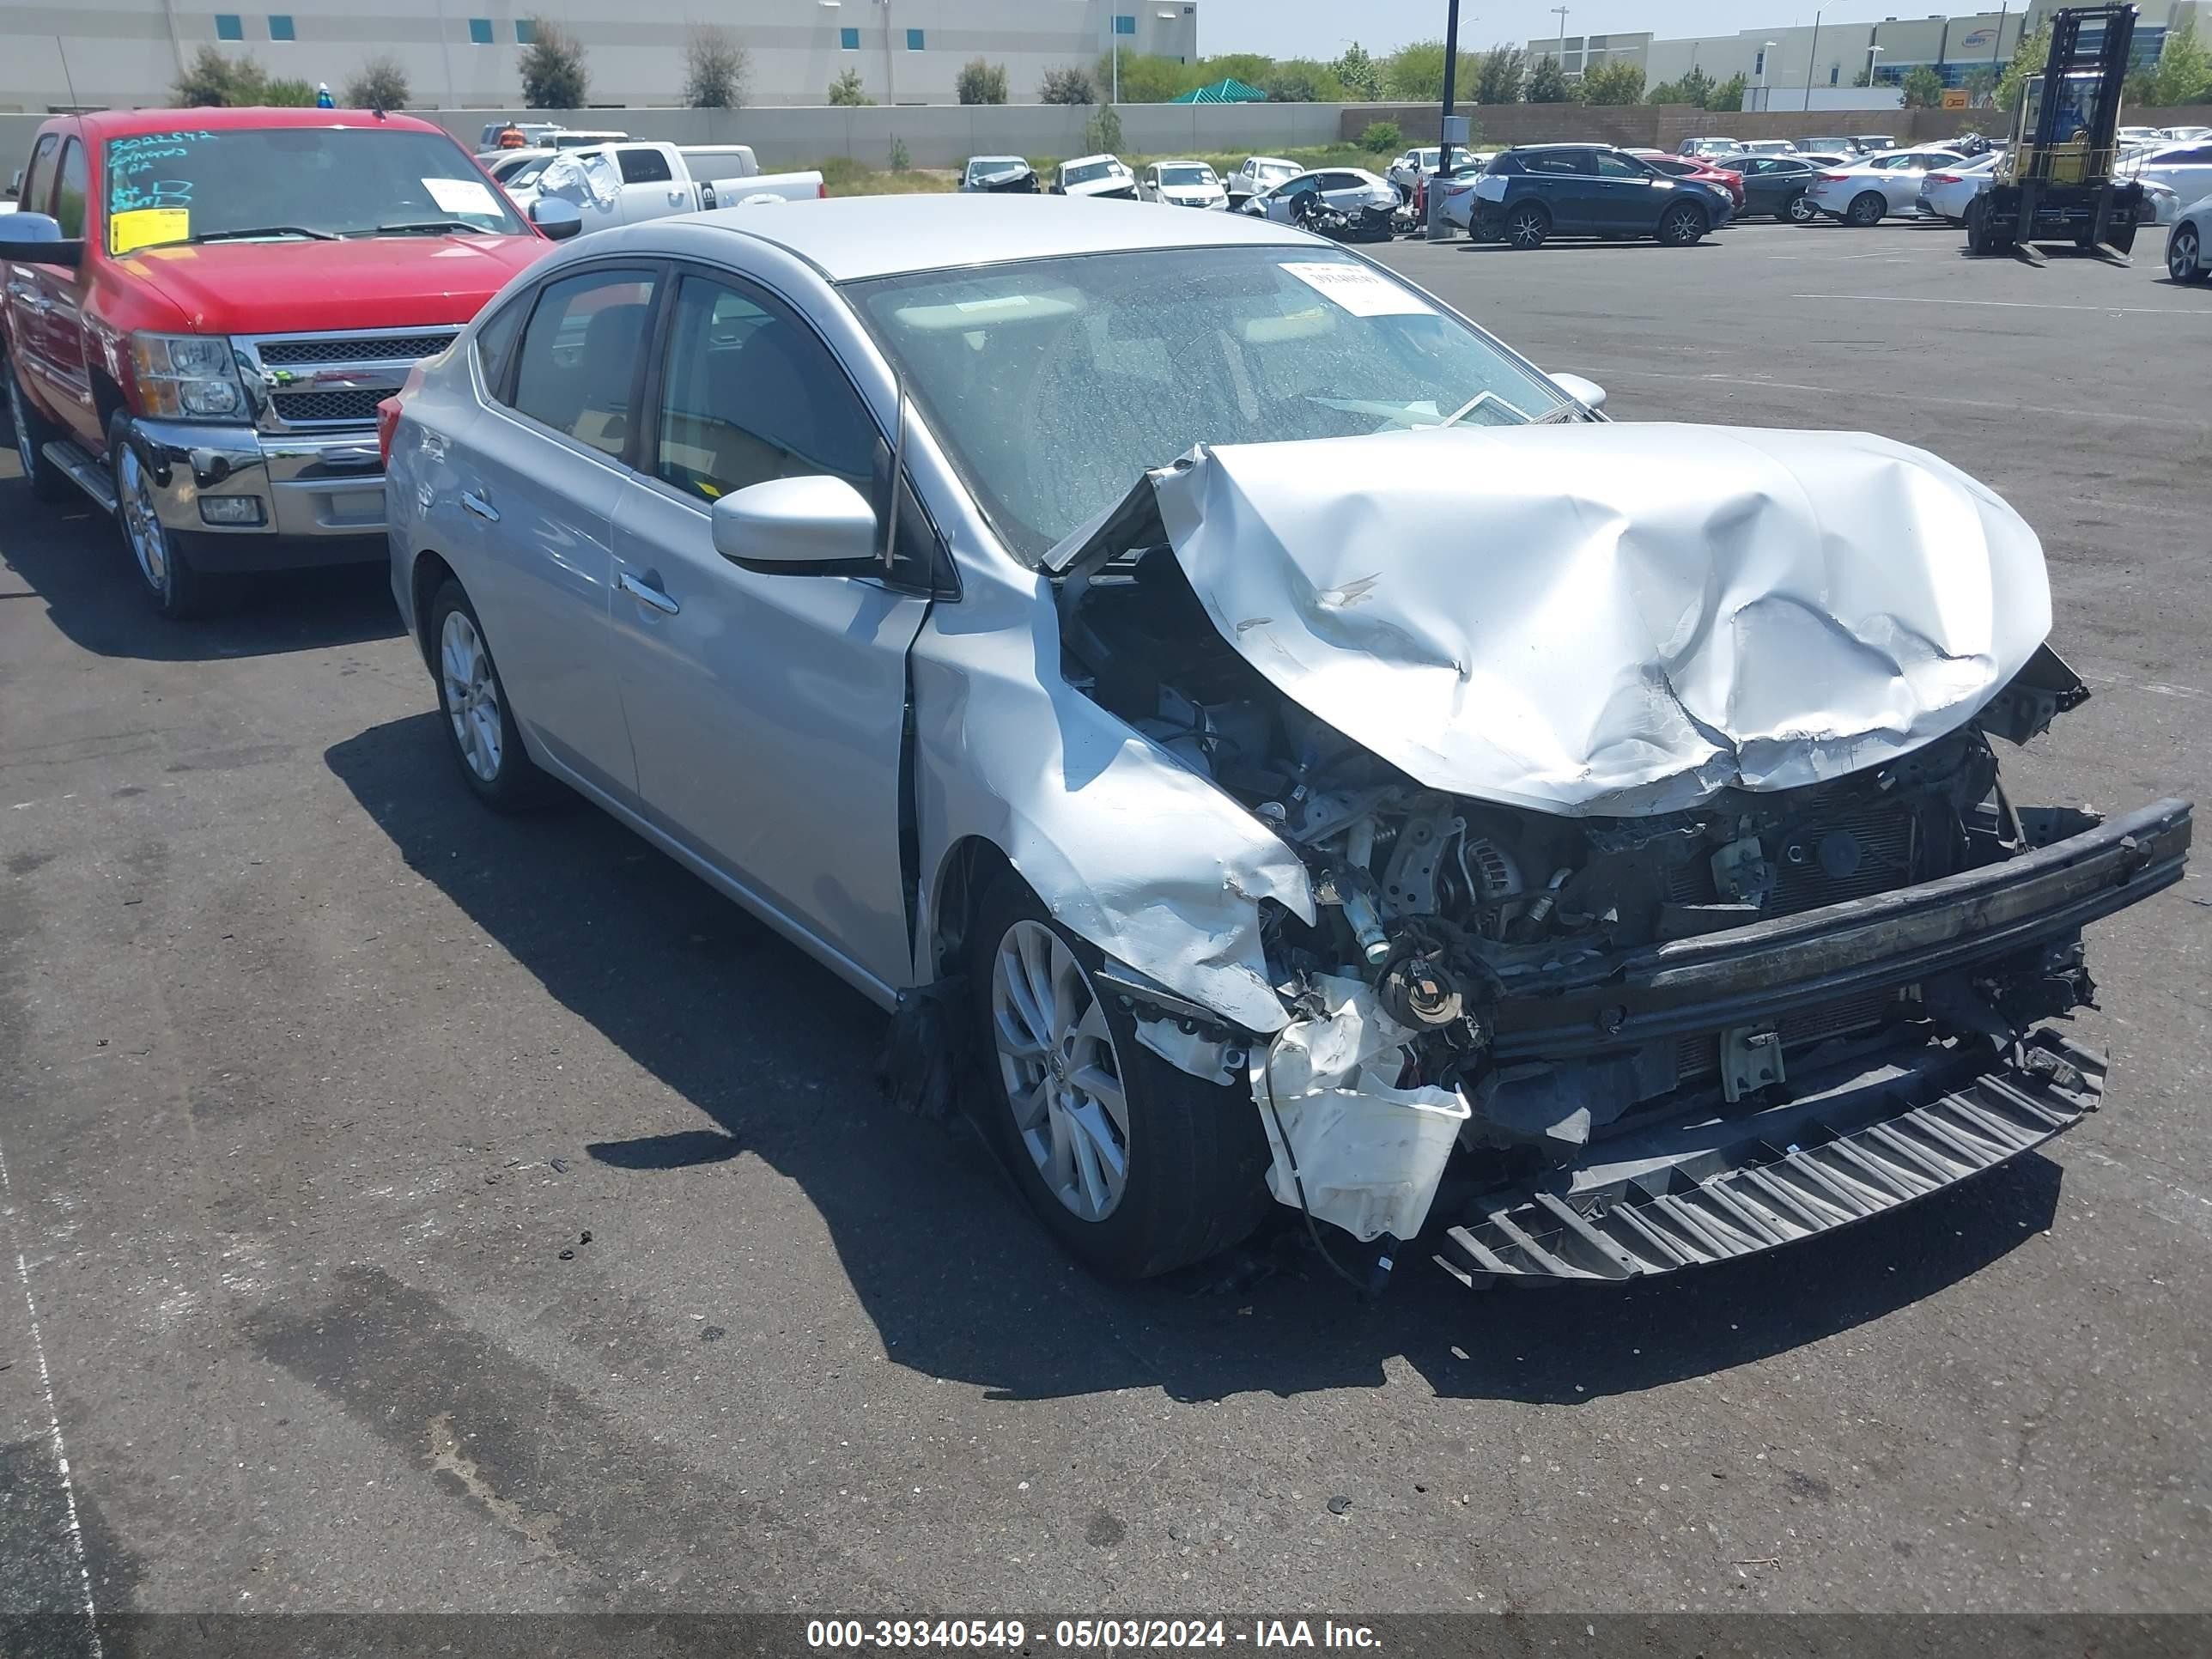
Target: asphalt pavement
[{"x": 424, "y": 1211}]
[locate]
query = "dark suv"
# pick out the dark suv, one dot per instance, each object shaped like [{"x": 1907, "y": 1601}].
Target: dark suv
[{"x": 1535, "y": 192}]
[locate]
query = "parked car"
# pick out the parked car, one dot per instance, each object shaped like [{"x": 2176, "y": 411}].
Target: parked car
[
  {"x": 1702, "y": 147},
  {"x": 1698, "y": 167},
  {"x": 1872, "y": 143},
  {"x": 1350, "y": 190},
  {"x": 2128, "y": 137},
  {"x": 515, "y": 169},
  {"x": 1828, "y": 146},
  {"x": 1947, "y": 192},
  {"x": 2185, "y": 135},
  {"x": 1182, "y": 184},
  {"x": 1414, "y": 165},
  {"x": 1763, "y": 147},
  {"x": 2189, "y": 244},
  {"x": 1533, "y": 193},
  {"x": 1043, "y": 660},
  {"x": 1774, "y": 184},
  {"x": 202, "y": 307},
  {"x": 1458, "y": 191},
  {"x": 2161, "y": 205},
  {"x": 1878, "y": 186},
  {"x": 2185, "y": 168},
  {"x": 1100, "y": 177},
  {"x": 1006, "y": 175},
  {"x": 623, "y": 184},
  {"x": 1258, "y": 174},
  {"x": 549, "y": 134}
]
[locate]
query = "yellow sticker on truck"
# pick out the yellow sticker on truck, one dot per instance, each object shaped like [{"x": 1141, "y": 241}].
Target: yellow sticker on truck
[{"x": 145, "y": 227}]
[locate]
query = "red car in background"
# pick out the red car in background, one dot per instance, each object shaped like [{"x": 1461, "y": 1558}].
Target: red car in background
[
  {"x": 202, "y": 307},
  {"x": 1690, "y": 167}
]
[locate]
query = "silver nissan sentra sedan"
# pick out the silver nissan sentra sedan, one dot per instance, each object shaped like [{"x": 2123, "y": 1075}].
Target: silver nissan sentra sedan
[{"x": 1264, "y": 740}]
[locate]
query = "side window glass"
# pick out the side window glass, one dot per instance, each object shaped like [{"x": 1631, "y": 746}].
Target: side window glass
[
  {"x": 69, "y": 200},
  {"x": 581, "y": 353},
  {"x": 34, "y": 199},
  {"x": 643, "y": 167},
  {"x": 494, "y": 344},
  {"x": 1617, "y": 167}
]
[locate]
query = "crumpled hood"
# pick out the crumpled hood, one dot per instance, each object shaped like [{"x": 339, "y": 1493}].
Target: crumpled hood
[{"x": 1613, "y": 618}]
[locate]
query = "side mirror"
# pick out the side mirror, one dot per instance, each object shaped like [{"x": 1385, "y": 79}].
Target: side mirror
[
  {"x": 37, "y": 240},
  {"x": 559, "y": 218},
  {"x": 1589, "y": 393},
  {"x": 14, "y": 184},
  {"x": 791, "y": 524}
]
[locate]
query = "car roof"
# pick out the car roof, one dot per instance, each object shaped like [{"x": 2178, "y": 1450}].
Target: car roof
[
  {"x": 1269, "y": 162},
  {"x": 848, "y": 238},
  {"x": 1023, "y": 160},
  {"x": 132, "y": 122},
  {"x": 1180, "y": 162}
]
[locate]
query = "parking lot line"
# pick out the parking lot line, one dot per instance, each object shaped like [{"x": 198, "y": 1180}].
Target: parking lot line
[{"x": 2011, "y": 305}]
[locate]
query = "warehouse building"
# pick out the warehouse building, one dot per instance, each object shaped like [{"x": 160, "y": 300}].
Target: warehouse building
[{"x": 463, "y": 54}]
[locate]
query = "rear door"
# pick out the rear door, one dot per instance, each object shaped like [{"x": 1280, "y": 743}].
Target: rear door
[
  {"x": 1901, "y": 181},
  {"x": 768, "y": 710},
  {"x": 537, "y": 478},
  {"x": 1565, "y": 181}
]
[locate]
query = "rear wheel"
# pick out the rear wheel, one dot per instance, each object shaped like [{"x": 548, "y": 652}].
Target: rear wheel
[
  {"x": 1866, "y": 208},
  {"x": 33, "y": 432},
  {"x": 1527, "y": 226},
  {"x": 1682, "y": 225},
  {"x": 479, "y": 719},
  {"x": 2184, "y": 255},
  {"x": 1135, "y": 1166}
]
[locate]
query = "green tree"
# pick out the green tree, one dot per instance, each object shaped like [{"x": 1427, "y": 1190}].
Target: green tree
[
  {"x": 1415, "y": 72},
  {"x": 1252, "y": 68},
  {"x": 2140, "y": 89},
  {"x": 847, "y": 90},
  {"x": 901, "y": 158},
  {"x": 2028, "y": 58},
  {"x": 213, "y": 81},
  {"x": 1617, "y": 82},
  {"x": 1728, "y": 95},
  {"x": 2184, "y": 70},
  {"x": 1067, "y": 85},
  {"x": 1103, "y": 132},
  {"x": 1498, "y": 74},
  {"x": 1361, "y": 75},
  {"x": 1924, "y": 88},
  {"x": 552, "y": 66},
  {"x": 715, "y": 68},
  {"x": 1979, "y": 82},
  {"x": 1381, "y": 137},
  {"x": 1691, "y": 88},
  {"x": 1301, "y": 80},
  {"x": 381, "y": 84},
  {"x": 1548, "y": 83},
  {"x": 980, "y": 83},
  {"x": 288, "y": 94},
  {"x": 1148, "y": 78}
]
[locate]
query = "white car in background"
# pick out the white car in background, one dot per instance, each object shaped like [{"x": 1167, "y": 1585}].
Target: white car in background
[
  {"x": 1346, "y": 189},
  {"x": 1106, "y": 178},
  {"x": 1869, "y": 191},
  {"x": 2185, "y": 135},
  {"x": 2189, "y": 244},
  {"x": 1415, "y": 165},
  {"x": 2185, "y": 169},
  {"x": 1259, "y": 174},
  {"x": 1182, "y": 184},
  {"x": 1945, "y": 193}
]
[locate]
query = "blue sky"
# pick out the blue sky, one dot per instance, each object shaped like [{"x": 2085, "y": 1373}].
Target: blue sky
[{"x": 1318, "y": 28}]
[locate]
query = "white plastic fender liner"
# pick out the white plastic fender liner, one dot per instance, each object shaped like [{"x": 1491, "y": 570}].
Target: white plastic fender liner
[{"x": 1368, "y": 1154}]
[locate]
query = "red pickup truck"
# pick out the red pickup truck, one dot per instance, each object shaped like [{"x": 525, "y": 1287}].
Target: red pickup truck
[{"x": 202, "y": 308}]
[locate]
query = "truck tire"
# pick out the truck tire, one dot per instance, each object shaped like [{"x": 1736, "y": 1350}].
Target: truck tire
[
  {"x": 177, "y": 588},
  {"x": 1133, "y": 1166},
  {"x": 33, "y": 432}
]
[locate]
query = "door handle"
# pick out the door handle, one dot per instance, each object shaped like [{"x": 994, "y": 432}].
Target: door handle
[
  {"x": 646, "y": 593},
  {"x": 476, "y": 504}
]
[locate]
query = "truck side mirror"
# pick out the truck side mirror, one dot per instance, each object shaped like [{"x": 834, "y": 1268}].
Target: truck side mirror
[
  {"x": 558, "y": 218},
  {"x": 37, "y": 240}
]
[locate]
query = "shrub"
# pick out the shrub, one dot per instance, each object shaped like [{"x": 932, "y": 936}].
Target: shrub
[
  {"x": 715, "y": 68},
  {"x": 981, "y": 82},
  {"x": 215, "y": 81},
  {"x": 1103, "y": 130},
  {"x": 847, "y": 90},
  {"x": 1067, "y": 85},
  {"x": 1381, "y": 137},
  {"x": 901, "y": 160},
  {"x": 552, "y": 65},
  {"x": 381, "y": 84}
]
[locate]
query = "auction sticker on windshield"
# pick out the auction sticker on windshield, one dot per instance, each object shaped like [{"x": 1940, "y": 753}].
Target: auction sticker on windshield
[
  {"x": 144, "y": 227},
  {"x": 1362, "y": 292},
  {"x": 462, "y": 196}
]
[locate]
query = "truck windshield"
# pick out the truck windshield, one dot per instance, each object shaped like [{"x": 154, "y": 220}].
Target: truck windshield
[
  {"x": 1057, "y": 381},
  {"x": 194, "y": 185}
]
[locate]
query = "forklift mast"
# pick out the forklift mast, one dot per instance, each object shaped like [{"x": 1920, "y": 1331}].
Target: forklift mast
[{"x": 2067, "y": 127}]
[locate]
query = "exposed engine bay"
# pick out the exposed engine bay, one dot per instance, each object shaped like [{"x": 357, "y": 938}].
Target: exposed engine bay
[{"x": 1505, "y": 952}]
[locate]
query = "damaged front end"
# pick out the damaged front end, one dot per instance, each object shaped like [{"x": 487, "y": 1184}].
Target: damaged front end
[{"x": 1597, "y": 996}]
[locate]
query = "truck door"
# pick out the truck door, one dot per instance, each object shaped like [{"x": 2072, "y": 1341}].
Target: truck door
[
  {"x": 70, "y": 390},
  {"x": 24, "y": 296},
  {"x": 650, "y": 188}
]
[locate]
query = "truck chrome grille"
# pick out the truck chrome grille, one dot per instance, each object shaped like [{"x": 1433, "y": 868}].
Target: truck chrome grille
[
  {"x": 309, "y": 408},
  {"x": 353, "y": 348},
  {"x": 316, "y": 382}
]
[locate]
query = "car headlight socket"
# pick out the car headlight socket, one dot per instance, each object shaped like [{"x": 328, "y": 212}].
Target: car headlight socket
[{"x": 191, "y": 377}]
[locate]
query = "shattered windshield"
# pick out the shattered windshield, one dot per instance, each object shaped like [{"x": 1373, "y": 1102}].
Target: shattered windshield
[{"x": 1057, "y": 382}]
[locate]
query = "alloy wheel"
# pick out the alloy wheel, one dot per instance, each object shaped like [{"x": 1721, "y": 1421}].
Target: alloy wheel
[
  {"x": 2182, "y": 253},
  {"x": 1062, "y": 1075},
  {"x": 1801, "y": 210},
  {"x": 1682, "y": 227},
  {"x": 142, "y": 523},
  {"x": 1526, "y": 228},
  {"x": 471, "y": 694}
]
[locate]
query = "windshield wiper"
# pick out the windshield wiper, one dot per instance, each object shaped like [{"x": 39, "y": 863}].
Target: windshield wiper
[
  {"x": 265, "y": 230},
  {"x": 437, "y": 227}
]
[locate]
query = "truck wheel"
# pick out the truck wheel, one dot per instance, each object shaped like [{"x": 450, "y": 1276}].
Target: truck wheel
[
  {"x": 479, "y": 719},
  {"x": 176, "y": 588},
  {"x": 33, "y": 432},
  {"x": 1866, "y": 208},
  {"x": 1135, "y": 1167}
]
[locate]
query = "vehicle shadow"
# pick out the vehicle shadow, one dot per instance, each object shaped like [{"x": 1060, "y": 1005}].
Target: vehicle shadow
[
  {"x": 70, "y": 555},
  {"x": 778, "y": 1056},
  {"x": 1590, "y": 244}
]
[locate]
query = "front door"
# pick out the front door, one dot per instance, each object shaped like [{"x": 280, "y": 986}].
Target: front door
[
  {"x": 1626, "y": 198},
  {"x": 768, "y": 710},
  {"x": 70, "y": 388}
]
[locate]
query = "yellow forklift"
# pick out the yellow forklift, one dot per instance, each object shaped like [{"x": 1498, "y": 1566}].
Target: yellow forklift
[{"x": 2056, "y": 183}]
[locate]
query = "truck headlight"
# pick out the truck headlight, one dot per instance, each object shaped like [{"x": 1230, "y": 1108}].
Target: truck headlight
[{"x": 187, "y": 376}]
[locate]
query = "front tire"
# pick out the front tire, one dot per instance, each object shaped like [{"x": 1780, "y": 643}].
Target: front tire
[
  {"x": 479, "y": 720},
  {"x": 176, "y": 587},
  {"x": 1801, "y": 210},
  {"x": 1866, "y": 208},
  {"x": 2184, "y": 255},
  {"x": 33, "y": 432},
  {"x": 1135, "y": 1167},
  {"x": 1682, "y": 225}
]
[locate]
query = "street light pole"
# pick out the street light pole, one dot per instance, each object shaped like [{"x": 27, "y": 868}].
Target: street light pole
[
  {"x": 1811, "y": 57},
  {"x": 1873, "y": 52},
  {"x": 1562, "y": 11},
  {"x": 1765, "y": 100},
  {"x": 1436, "y": 229}
]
